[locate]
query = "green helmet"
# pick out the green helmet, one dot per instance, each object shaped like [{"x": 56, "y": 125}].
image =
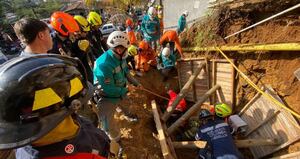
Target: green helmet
[
  {"x": 223, "y": 110},
  {"x": 94, "y": 19}
]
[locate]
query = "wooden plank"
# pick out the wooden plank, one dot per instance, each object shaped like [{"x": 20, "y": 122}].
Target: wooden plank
[
  {"x": 220, "y": 95},
  {"x": 208, "y": 78},
  {"x": 263, "y": 122},
  {"x": 214, "y": 78},
  {"x": 190, "y": 144},
  {"x": 294, "y": 155},
  {"x": 223, "y": 75},
  {"x": 193, "y": 85},
  {"x": 161, "y": 135},
  {"x": 239, "y": 143},
  {"x": 247, "y": 106},
  {"x": 224, "y": 70},
  {"x": 233, "y": 98}
]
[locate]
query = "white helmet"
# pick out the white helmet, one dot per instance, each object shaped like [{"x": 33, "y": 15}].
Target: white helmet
[
  {"x": 166, "y": 52},
  {"x": 117, "y": 38},
  {"x": 186, "y": 13},
  {"x": 152, "y": 11}
]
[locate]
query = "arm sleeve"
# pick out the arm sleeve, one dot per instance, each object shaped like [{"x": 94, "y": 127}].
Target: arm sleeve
[
  {"x": 106, "y": 80},
  {"x": 143, "y": 27},
  {"x": 178, "y": 46}
]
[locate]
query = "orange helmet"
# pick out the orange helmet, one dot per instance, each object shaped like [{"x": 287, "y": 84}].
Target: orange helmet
[
  {"x": 64, "y": 23},
  {"x": 129, "y": 22},
  {"x": 143, "y": 45}
]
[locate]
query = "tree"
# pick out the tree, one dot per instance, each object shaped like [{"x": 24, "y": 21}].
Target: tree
[{"x": 38, "y": 9}]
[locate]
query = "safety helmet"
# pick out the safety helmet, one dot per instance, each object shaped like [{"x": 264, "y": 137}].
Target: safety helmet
[
  {"x": 222, "y": 110},
  {"x": 36, "y": 94},
  {"x": 64, "y": 23},
  {"x": 186, "y": 13},
  {"x": 129, "y": 22},
  {"x": 159, "y": 7},
  {"x": 204, "y": 113},
  {"x": 152, "y": 12},
  {"x": 143, "y": 45},
  {"x": 166, "y": 52},
  {"x": 132, "y": 50},
  {"x": 83, "y": 45},
  {"x": 118, "y": 38},
  {"x": 94, "y": 19},
  {"x": 83, "y": 23}
]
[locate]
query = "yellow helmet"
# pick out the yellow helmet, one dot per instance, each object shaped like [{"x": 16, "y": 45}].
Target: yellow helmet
[
  {"x": 83, "y": 23},
  {"x": 132, "y": 50},
  {"x": 94, "y": 19},
  {"x": 222, "y": 110},
  {"x": 83, "y": 45}
]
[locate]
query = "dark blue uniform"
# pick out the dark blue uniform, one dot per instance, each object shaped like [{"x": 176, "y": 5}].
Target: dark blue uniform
[{"x": 219, "y": 140}]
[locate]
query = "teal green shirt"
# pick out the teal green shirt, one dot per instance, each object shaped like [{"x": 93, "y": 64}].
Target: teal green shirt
[
  {"x": 181, "y": 23},
  {"x": 110, "y": 72}
]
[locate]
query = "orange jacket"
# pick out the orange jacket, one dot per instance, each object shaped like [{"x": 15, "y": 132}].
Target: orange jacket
[
  {"x": 144, "y": 57},
  {"x": 131, "y": 36},
  {"x": 171, "y": 36}
]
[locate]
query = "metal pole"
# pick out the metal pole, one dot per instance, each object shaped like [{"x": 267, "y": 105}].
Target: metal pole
[{"x": 272, "y": 17}]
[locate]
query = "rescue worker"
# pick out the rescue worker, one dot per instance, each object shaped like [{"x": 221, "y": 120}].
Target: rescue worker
[
  {"x": 80, "y": 48},
  {"x": 166, "y": 62},
  {"x": 37, "y": 110},
  {"x": 182, "y": 22},
  {"x": 65, "y": 26},
  {"x": 130, "y": 32},
  {"x": 112, "y": 74},
  {"x": 145, "y": 58},
  {"x": 179, "y": 109},
  {"x": 171, "y": 37},
  {"x": 214, "y": 130},
  {"x": 34, "y": 34},
  {"x": 132, "y": 52},
  {"x": 161, "y": 18},
  {"x": 151, "y": 28},
  {"x": 97, "y": 40}
]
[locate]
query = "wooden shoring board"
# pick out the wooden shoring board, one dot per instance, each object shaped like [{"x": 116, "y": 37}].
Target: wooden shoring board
[
  {"x": 282, "y": 126},
  {"x": 202, "y": 82},
  {"x": 218, "y": 71},
  {"x": 184, "y": 72},
  {"x": 224, "y": 76},
  {"x": 165, "y": 141}
]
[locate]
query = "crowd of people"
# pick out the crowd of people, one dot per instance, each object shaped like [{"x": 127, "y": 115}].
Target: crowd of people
[{"x": 57, "y": 74}]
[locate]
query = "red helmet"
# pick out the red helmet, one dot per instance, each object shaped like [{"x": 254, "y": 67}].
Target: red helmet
[
  {"x": 64, "y": 23},
  {"x": 129, "y": 22},
  {"x": 143, "y": 45}
]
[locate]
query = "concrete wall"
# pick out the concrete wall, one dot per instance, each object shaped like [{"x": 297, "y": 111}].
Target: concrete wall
[{"x": 173, "y": 9}]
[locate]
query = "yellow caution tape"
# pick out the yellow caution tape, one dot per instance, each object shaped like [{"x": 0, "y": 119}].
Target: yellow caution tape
[{"x": 250, "y": 47}]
